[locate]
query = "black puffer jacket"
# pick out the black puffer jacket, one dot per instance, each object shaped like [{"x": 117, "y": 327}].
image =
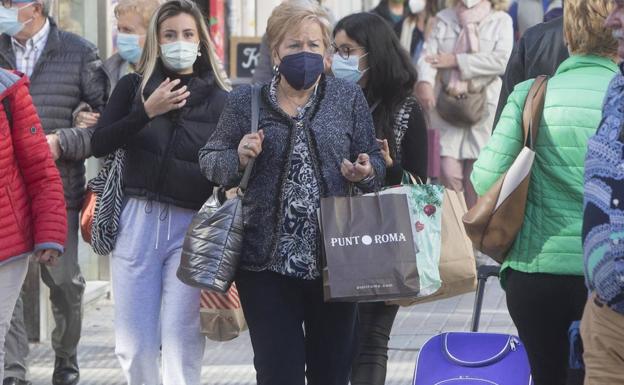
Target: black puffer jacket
[
  {"x": 539, "y": 52},
  {"x": 162, "y": 153},
  {"x": 67, "y": 73}
]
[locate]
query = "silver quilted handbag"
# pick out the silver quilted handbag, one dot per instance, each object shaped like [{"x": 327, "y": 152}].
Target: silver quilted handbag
[{"x": 213, "y": 243}]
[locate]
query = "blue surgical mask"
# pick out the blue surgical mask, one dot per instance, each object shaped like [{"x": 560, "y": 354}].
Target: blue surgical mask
[
  {"x": 9, "y": 20},
  {"x": 302, "y": 69},
  {"x": 128, "y": 47},
  {"x": 179, "y": 55},
  {"x": 347, "y": 69}
]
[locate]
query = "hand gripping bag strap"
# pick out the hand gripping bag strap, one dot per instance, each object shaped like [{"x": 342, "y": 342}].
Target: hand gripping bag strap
[{"x": 255, "y": 114}]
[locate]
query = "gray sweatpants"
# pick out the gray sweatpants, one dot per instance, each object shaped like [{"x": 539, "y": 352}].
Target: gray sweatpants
[
  {"x": 152, "y": 307},
  {"x": 12, "y": 274}
]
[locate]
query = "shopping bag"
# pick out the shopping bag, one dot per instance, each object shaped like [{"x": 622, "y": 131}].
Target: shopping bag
[
  {"x": 457, "y": 261},
  {"x": 425, "y": 209},
  {"x": 221, "y": 315},
  {"x": 369, "y": 252}
]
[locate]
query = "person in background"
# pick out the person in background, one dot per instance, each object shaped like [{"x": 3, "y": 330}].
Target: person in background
[
  {"x": 602, "y": 326},
  {"x": 64, "y": 70},
  {"x": 465, "y": 54},
  {"x": 393, "y": 11},
  {"x": 543, "y": 273},
  {"x": 367, "y": 53},
  {"x": 417, "y": 26},
  {"x": 133, "y": 17},
  {"x": 540, "y": 51},
  {"x": 32, "y": 207},
  {"x": 315, "y": 139},
  {"x": 162, "y": 114}
]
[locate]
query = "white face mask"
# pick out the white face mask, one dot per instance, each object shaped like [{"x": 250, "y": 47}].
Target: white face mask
[
  {"x": 179, "y": 55},
  {"x": 471, "y": 3},
  {"x": 417, "y": 6}
]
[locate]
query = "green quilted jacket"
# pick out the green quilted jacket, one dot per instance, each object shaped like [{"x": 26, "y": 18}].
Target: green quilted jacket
[{"x": 550, "y": 238}]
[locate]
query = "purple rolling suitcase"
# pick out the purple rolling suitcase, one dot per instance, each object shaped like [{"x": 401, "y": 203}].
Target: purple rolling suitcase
[{"x": 471, "y": 358}]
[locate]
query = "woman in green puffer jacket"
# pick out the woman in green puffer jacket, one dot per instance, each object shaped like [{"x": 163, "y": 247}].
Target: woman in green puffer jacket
[{"x": 543, "y": 273}]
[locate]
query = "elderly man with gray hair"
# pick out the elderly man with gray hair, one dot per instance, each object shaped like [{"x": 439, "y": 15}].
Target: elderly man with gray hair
[{"x": 64, "y": 70}]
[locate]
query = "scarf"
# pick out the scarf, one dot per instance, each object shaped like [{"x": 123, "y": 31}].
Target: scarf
[{"x": 468, "y": 39}]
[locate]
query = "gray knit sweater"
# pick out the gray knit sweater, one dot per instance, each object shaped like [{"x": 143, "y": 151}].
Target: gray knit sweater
[{"x": 340, "y": 127}]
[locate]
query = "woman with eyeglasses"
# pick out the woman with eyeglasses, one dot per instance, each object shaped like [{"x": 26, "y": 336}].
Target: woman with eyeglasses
[
  {"x": 315, "y": 139},
  {"x": 369, "y": 54},
  {"x": 161, "y": 115}
]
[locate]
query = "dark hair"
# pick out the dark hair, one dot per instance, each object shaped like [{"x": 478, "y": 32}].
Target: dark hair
[{"x": 391, "y": 74}]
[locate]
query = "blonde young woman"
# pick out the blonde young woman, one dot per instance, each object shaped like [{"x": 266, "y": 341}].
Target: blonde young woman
[
  {"x": 161, "y": 115},
  {"x": 465, "y": 55}
]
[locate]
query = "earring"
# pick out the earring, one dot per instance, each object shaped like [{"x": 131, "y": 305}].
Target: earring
[
  {"x": 275, "y": 70},
  {"x": 198, "y": 53}
]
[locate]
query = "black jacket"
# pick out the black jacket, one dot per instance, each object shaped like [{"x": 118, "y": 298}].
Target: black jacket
[
  {"x": 162, "y": 153},
  {"x": 539, "y": 52},
  {"x": 67, "y": 73}
]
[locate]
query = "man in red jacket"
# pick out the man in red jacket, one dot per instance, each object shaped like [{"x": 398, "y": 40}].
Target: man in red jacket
[{"x": 32, "y": 205}]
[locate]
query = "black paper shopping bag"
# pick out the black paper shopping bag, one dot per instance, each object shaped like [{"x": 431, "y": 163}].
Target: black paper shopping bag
[{"x": 369, "y": 250}]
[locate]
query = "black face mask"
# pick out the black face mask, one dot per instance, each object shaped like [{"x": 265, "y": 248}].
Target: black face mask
[{"x": 302, "y": 69}]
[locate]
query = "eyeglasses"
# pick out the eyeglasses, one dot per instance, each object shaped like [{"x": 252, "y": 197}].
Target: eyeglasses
[{"x": 344, "y": 51}]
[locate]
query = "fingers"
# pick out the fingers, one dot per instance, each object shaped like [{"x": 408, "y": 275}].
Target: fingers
[{"x": 177, "y": 98}]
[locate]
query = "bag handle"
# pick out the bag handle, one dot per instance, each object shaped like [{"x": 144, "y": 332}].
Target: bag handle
[
  {"x": 533, "y": 109},
  {"x": 255, "y": 113}
]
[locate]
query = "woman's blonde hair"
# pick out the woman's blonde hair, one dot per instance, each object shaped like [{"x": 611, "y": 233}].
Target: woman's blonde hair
[
  {"x": 497, "y": 5},
  {"x": 584, "y": 29},
  {"x": 144, "y": 8},
  {"x": 151, "y": 50},
  {"x": 287, "y": 16}
]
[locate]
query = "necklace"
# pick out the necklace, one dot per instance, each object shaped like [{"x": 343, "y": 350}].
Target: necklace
[{"x": 298, "y": 106}]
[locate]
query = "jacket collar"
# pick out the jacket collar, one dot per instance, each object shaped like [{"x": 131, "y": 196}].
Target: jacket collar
[
  {"x": 51, "y": 46},
  {"x": 583, "y": 61}
]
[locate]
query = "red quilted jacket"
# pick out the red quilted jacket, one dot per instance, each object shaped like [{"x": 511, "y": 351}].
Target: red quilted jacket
[{"x": 32, "y": 206}]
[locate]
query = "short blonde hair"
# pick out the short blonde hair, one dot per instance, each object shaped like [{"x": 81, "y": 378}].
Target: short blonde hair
[
  {"x": 584, "y": 29},
  {"x": 289, "y": 15},
  {"x": 497, "y": 5},
  {"x": 144, "y": 8}
]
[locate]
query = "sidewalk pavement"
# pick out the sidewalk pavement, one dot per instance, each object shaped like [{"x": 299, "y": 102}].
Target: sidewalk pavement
[{"x": 230, "y": 363}]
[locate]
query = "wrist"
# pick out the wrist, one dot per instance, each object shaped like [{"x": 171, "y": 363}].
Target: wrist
[{"x": 369, "y": 177}]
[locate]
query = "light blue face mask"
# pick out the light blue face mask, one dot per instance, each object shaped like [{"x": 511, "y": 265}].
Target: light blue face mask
[
  {"x": 128, "y": 47},
  {"x": 347, "y": 69},
  {"x": 179, "y": 55},
  {"x": 9, "y": 20}
]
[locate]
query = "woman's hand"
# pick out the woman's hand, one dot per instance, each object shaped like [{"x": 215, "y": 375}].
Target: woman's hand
[
  {"x": 356, "y": 172},
  {"x": 425, "y": 95},
  {"x": 385, "y": 152},
  {"x": 442, "y": 60},
  {"x": 249, "y": 148},
  {"x": 48, "y": 257},
  {"x": 86, "y": 119},
  {"x": 163, "y": 99}
]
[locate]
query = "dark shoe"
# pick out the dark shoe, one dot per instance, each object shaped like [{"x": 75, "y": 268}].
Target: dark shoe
[
  {"x": 66, "y": 371},
  {"x": 15, "y": 381}
]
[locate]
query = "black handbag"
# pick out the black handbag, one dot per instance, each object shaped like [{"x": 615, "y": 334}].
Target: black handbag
[{"x": 213, "y": 243}]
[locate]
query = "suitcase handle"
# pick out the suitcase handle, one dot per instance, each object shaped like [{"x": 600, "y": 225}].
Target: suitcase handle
[
  {"x": 509, "y": 347},
  {"x": 483, "y": 273}
]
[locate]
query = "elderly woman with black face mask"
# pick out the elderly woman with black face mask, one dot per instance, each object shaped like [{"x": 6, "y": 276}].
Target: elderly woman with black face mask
[{"x": 315, "y": 138}]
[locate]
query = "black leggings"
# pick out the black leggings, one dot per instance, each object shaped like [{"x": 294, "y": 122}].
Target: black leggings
[
  {"x": 376, "y": 319},
  {"x": 542, "y": 307}
]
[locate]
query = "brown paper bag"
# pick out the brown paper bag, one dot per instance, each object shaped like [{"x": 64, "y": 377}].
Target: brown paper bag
[{"x": 457, "y": 261}]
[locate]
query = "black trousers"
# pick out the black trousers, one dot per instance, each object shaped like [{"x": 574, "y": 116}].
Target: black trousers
[
  {"x": 296, "y": 335},
  {"x": 542, "y": 307},
  {"x": 370, "y": 365}
]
